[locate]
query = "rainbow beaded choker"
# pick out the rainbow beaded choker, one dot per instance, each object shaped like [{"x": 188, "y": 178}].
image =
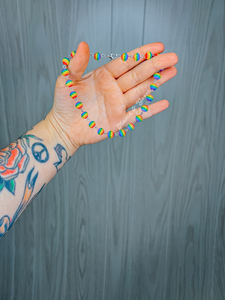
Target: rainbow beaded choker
[{"x": 79, "y": 105}]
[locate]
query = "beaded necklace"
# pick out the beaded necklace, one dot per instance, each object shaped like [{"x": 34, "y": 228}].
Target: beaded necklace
[{"x": 79, "y": 105}]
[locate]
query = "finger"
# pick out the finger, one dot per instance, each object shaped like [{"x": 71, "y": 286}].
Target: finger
[
  {"x": 145, "y": 70},
  {"x": 153, "y": 109},
  {"x": 117, "y": 66},
  {"x": 79, "y": 62},
  {"x": 143, "y": 89}
]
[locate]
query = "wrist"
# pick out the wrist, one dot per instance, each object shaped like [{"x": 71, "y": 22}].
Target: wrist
[{"x": 58, "y": 134}]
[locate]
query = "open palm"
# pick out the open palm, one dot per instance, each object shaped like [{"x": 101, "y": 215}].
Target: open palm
[{"x": 108, "y": 91}]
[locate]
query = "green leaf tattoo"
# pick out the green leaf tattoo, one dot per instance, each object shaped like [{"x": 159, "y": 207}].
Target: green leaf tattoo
[
  {"x": 10, "y": 185},
  {"x": 27, "y": 136},
  {"x": 1, "y": 184}
]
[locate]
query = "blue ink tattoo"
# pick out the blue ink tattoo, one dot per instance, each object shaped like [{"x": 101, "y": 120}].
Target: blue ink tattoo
[
  {"x": 59, "y": 151},
  {"x": 40, "y": 152}
]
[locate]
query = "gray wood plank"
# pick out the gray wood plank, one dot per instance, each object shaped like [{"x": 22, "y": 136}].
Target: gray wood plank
[
  {"x": 197, "y": 159},
  {"x": 135, "y": 218},
  {"x": 218, "y": 288}
]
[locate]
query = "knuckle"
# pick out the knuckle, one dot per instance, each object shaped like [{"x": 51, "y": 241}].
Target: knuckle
[
  {"x": 126, "y": 65},
  {"x": 138, "y": 92},
  {"x": 155, "y": 64},
  {"x": 134, "y": 76}
]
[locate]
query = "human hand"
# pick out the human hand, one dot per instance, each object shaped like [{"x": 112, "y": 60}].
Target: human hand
[{"x": 107, "y": 92}]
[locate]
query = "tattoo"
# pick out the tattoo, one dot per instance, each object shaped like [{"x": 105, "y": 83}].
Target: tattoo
[
  {"x": 40, "y": 152},
  {"x": 5, "y": 222},
  {"x": 59, "y": 151},
  {"x": 13, "y": 161},
  {"x": 28, "y": 136}
]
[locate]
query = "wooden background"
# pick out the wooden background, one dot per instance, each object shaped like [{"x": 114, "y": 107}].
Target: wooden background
[{"x": 138, "y": 218}]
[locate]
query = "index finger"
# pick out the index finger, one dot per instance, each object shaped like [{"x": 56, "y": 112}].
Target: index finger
[{"x": 118, "y": 67}]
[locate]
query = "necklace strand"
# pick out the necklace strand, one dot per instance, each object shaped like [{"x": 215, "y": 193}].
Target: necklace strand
[{"x": 79, "y": 105}]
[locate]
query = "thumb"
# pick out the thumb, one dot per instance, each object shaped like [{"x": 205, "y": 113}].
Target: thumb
[{"x": 79, "y": 62}]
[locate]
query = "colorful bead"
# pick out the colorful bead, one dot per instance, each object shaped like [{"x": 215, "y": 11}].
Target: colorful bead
[
  {"x": 122, "y": 132},
  {"x": 79, "y": 105},
  {"x": 148, "y": 55},
  {"x": 111, "y": 134},
  {"x": 136, "y": 56},
  {"x": 66, "y": 61},
  {"x": 73, "y": 53},
  {"x": 92, "y": 124},
  {"x": 69, "y": 83},
  {"x": 124, "y": 56},
  {"x": 139, "y": 118},
  {"x": 153, "y": 87},
  {"x": 97, "y": 56},
  {"x": 156, "y": 54},
  {"x": 73, "y": 94},
  {"x": 144, "y": 108},
  {"x": 130, "y": 126},
  {"x": 149, "y": 97},
  {"x": 84, "y": 115},
  {"x": 100, "y": 131},
  {"x": 65, "y": 72},
  {"x": 157, "y": 76},
  {"x": 161, "y": 70}
]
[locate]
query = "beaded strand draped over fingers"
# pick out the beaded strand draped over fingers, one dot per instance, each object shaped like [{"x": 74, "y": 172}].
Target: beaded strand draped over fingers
[{"x": 124, "y": 57}]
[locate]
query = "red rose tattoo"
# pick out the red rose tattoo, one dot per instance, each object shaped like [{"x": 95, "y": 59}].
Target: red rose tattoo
[{"x": 13, "y": 161}]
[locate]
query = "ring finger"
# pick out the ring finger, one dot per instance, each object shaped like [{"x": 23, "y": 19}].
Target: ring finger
[
  {"x": 140, "y": 91},
  {"x": 145, "y": 70}
]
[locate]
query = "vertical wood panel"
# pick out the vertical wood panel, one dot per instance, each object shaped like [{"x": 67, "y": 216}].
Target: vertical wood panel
[
  {"x": 197, "y": 170},
  {"x": 218, "y": 288},
  {"x": 135, "y": 218}
]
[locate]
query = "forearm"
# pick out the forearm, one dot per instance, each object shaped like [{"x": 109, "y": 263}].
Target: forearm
[{"x": 27, "y": 165}]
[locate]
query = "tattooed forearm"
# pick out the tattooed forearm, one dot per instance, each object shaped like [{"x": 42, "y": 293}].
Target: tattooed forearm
[
  {"x": 14, "y": 160},
  {"x": 26, "y": 166},
  {"x": 5, "y": 222}
]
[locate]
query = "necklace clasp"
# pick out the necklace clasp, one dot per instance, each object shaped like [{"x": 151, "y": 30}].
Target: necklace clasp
[{"x": 114, "y": 56}]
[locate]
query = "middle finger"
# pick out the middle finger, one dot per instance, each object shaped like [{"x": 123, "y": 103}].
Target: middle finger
[{"x": 145, "y": 70}]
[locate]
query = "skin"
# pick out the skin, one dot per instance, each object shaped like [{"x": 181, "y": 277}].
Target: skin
[
  {"x": 29, "y": 163},
  {"x": 107, "y": 92}
]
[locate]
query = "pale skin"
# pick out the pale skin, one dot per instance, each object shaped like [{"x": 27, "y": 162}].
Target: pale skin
[{"x": 106, "y": 93}]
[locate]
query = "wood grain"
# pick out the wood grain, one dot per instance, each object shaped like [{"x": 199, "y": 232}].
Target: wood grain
[{"x": 138, "y": 218}]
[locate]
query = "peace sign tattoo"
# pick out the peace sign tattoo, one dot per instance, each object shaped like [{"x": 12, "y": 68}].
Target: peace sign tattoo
[{"x": 40, "y": 152}]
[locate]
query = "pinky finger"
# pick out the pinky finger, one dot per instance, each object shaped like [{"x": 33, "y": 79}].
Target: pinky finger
[{"x": 153, "y": 109}]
